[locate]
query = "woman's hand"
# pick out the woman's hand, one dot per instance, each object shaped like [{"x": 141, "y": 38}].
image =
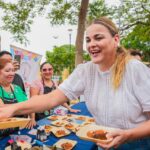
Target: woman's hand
[
  {"x": 74, "y": 110},
  {"x": 119, "y": 137},
  {"x": 16, "y": 65},
  {"x": 7, "y": 111},
  {"x": 31, "y": 124}
]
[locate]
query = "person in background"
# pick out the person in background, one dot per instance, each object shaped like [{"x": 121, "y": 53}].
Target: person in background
[
  {"x": 136, "y": 54},
  {"x": 17, "y": 78},
  {"x": 9, "y": 92},
  {"x": 115, "y": 87},
  {"x": 45, "y": 85}
]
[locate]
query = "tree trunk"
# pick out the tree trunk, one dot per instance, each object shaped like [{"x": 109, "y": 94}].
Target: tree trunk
[{"x": 80, "y": 32}]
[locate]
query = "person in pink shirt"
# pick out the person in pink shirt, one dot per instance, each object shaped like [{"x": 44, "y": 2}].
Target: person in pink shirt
[{"x": 46, "y": 85}]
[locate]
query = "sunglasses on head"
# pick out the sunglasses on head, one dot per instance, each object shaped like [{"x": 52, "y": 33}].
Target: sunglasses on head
[{"x": 49, "y": 69}]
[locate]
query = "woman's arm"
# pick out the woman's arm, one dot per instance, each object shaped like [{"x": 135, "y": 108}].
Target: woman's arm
[
  {"x": 34, "y": 91},
  {"x": 35, "y": 104},
  {"x": 143, "y": 130}
]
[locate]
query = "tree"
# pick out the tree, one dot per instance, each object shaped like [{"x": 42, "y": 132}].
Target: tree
[
  {"x": 18, "y": 17},
  {"x": 137, "y": 40},
  {"x": 97, "y": 9},
  {"x": 60, "y": 12},
  {"x": 80, "y": 32},
  {"x": 62, "y": 57},
  {"x": 134, "y": 23},
  {"x": 132, "y": 13}
]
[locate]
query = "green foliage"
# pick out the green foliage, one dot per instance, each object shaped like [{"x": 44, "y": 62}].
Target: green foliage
[
  {"x": 132, "y": 17},
  {"x": 97, "y": 9},
  {"x": 134, "y": 23},
  {"x": 63, "y": 57},
  {"x": 86, "y": 56},
  {"x": 18, "y": 17},
  {"x": 137, "y": 40},
  {"x": 62, "y": 12},
  {"x": 131, "y": 13}
]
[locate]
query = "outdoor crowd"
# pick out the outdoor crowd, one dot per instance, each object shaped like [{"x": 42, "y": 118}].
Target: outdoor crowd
[{"x": 115, "y": 85}]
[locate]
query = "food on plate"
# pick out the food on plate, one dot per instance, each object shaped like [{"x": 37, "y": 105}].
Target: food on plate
[
  {"x": 81, "y": 118},
  {"x": 48, "y": 128},
  {"x": 59, "y": 123},
  {"x": 69, "y": 126},
  {"x": 86, "y": 123},
  {"x": 60, "y": 132},
  {"x": 91, "y": 120},
  {"x": 53, "y": 118},
  {"x": 36, "y": 148},
  {"x": 67, "y": 146},
  {"x": 65, "y": 118},
  {"x": 97, "y": 134}
]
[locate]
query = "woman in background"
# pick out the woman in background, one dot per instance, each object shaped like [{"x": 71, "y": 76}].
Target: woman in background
[
  {"x": 46, "y": 85},
  {"x": 11, "y": 93}
]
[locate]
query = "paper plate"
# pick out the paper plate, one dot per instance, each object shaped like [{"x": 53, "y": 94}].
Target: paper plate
[
  {"x": 59, "y": 123},
  {"x": 48, "y": 128},
  {"x": 72, "y": 126},
  {"x": 53, "y": 117},
  {"x": 13, "y": 122},
  {"x": 83, "y": 133},
  {"x": 60, "y": 132},
  {"x": 61, "y": 142}
]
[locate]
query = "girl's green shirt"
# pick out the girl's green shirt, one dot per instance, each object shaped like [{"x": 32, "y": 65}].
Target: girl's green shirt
[{"x": 19, "y": 93}]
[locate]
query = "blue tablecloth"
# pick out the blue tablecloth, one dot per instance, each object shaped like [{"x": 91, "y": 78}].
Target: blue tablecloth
[{"x": 81, "y": 144}]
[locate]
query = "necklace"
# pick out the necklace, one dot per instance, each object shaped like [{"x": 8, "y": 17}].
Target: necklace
[{"x": 9, "y": 91}]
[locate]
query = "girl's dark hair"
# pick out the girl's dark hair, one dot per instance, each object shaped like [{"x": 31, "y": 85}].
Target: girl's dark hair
[
  {"x": 41, "y": 66},
  {"x": 5, "y": 53},
  {"x": 135, "y": 52}
]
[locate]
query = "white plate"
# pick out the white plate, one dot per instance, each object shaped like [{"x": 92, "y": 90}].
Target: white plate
[
  {"x": 61, "y": 141},
  {"x": 82, "y": 133}
]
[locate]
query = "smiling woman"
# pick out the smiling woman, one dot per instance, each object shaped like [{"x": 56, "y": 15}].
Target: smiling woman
[
  {"x": 6, "y": 70},
  {"x": 9, "y": 92},
  {"x": 45, "y": 85},
  {"x": 115, "y": 88}
]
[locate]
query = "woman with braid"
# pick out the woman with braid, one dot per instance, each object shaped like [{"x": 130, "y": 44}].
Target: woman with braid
[{"x": 115, "y": 87}]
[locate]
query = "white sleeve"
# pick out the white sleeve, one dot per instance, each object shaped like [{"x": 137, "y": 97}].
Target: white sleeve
[
  {"x": 74, "y": 85},
  {"x": 141, "y": 84}
]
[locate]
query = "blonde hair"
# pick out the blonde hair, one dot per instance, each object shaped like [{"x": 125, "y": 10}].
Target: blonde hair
[
  {"x": 122, "y": 56},
  {"x": 119, "y": 67}
]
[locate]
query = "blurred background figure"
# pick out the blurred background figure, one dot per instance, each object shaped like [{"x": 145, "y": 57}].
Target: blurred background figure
[
  {"x": 137, "y": 54},
  {"x": 17, "y": 78},
  {"x": 45, "y": 85}
]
